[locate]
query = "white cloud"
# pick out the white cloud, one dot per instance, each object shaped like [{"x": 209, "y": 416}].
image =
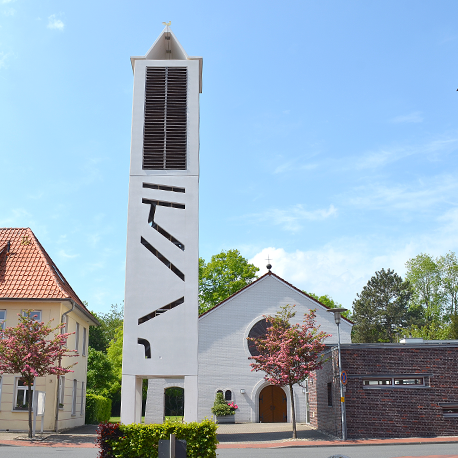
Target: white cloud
[
  {"x": 291, "y": 219},
  {"x": 3, "y": 58},
  {"x": 65, "y": 255},
  {"x": 415, "y": 196},
  {"x": 432, "y": 150},
  {"x": 8, "y": 1},
  {"x": 55, "y": 23},
  {"x": 342, "y": 267},
  {"x": 414, "y": 117},
  {"x": 9, "y": 12}
]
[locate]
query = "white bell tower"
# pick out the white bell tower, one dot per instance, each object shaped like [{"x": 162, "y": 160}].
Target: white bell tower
[{"x": 162, "y": 263}]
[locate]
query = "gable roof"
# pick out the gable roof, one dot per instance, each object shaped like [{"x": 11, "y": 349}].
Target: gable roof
[
  {"x": 269, "y": 273},
  {"x": 28, "y": 272}
]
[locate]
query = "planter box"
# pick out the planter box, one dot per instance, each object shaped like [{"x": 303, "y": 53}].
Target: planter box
[{"x": 225, "y": 419}]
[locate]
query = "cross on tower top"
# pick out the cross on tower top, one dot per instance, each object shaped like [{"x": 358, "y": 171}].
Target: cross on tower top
[{"x": 269, "y": 265}]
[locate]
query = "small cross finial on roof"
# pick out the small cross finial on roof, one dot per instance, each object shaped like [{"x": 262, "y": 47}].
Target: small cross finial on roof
[
  {"x": 167, "y": 23},
  {"x": 269, "y": 265}
]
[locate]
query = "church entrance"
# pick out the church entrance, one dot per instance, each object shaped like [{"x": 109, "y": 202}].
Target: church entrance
[{"x": 272, "y": 405}]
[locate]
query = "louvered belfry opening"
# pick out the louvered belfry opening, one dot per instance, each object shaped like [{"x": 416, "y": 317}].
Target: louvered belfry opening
[{"x": 165, "y": 131}]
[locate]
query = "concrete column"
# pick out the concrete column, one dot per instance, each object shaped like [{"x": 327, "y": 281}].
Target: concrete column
[
  {"x": 131, "y": 399},
  {"x": 138, "y": 400},
  {"x": 190, "y": 398}
]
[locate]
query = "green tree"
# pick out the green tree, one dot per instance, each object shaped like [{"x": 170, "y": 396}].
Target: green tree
[
  {"x": 100, "y": 376},
  {"x": 114, "y": 355},
  {"x": 224, "y": 275},
  {"x": 97, "y": 338},
  {"x": 448, "y": 268},
  {"x": 381, "y": 309},
  {"x": 423, "y": 273},
  {"x": 101, "y": 336},
  {"x": 330, "y": 302}
]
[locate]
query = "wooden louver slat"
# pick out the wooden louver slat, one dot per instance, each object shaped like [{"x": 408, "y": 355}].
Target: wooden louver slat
[{"x": 165, "y": 129}]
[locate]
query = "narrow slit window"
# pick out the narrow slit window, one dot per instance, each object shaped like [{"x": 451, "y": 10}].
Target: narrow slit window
[
  {"x": 162, "y": 258},
  {"x": 147, "y": 346},
  {"x": 158, "y": 228},
  {"x": 330, "y": 394},
  {"x": 161, "y": 310},
  {"x": 163, "y": 187}
]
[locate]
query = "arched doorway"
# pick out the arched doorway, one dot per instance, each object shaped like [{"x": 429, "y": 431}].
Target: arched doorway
[
  {"x": 272, "y": 405},
  {"x": 174, "y": 403}
]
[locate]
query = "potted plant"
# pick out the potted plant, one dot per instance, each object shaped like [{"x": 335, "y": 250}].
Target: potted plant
[{"x": 224, "y": 411}]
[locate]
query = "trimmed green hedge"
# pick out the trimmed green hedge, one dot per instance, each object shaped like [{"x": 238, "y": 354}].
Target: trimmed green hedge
[
  {"x": 98, "y": 409},
  {"x": 141, "y": 441}
]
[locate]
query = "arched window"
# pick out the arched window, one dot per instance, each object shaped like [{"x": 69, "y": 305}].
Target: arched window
[
  {"x": 228, "y": 395},
  {"x": 258, "y": 330}
]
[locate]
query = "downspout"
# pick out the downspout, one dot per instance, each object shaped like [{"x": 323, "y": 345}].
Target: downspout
[{"x": 60, "y": 360}]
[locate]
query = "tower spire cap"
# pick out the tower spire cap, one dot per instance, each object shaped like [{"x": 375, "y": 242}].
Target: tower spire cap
[{"x": 167, "y": 47}]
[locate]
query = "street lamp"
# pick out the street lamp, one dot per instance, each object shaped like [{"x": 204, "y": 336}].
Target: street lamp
[{"x": 337, "y": 316}]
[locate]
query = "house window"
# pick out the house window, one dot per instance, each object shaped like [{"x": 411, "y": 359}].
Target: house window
[
  {"x": 2, "y": 319},
  {"x": 65, "y": 322},
  {"x": 75, "y": 388},
  {"x": 377, "y": 382},
  {"x": 61, "y": 391},
  {"x": 84, "y": 341},
  {"x": 330, "y": 394},
  {"x": 20, "y": 395},
  {"x": 394, "y": 382},
  {"x": 449, "y": 409},
  {"x": 77, "y": 336},
  {"x": 35, "y": 314},
  {"x": 228, "y": 395},
  {"x": 82, "y": 399}
]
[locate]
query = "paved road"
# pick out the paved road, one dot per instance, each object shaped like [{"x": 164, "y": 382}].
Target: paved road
[
  {"x": 12, "y": 451},
  {"x": 373, "y": 451}
]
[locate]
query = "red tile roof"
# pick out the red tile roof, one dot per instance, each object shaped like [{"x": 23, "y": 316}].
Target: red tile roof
[{"x": 28, "y": 272}]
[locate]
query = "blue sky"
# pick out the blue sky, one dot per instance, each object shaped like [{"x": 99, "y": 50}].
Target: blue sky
[{"x": 329, "y": 133}]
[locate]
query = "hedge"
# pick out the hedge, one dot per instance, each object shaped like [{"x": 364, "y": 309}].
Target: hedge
[
  {"x": 141, "y": 441},
  {"x": 98, "y": 409}
]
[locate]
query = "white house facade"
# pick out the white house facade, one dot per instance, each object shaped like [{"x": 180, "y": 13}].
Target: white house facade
[{"x": 224, "y": 354}]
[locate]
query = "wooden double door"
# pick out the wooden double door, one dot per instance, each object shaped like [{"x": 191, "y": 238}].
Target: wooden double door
[{"x": 272, "y": 405}]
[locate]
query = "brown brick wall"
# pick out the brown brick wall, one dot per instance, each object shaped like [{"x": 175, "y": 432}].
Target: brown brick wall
[
  {"x": 329, "y": 418},
  {"x": 391, "y": 412}
]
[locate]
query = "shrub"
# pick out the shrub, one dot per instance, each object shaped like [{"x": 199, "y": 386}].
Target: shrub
[
  {"x": 98, "y": 409},
  {"x": 142, "y": 441},
  {"x": 220, "y": 407}
]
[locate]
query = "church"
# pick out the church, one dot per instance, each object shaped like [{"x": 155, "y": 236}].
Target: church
[{"x": 224, "y": 351}]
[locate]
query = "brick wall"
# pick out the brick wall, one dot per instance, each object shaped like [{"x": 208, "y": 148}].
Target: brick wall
[
  {"x": 324, "y": 417},
  {"x": 393, "y": 411}
]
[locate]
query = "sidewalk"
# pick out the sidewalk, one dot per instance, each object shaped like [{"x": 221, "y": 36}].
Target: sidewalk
[{"x": 239, "y": 435}]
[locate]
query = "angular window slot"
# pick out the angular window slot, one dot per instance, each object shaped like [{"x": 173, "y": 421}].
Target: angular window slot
[
  {"x": 163, "y": 187},
  {"x": 147, "y": 346},
  {"x": 161, "y": 310},
  {"x": 162, "y": 258}
]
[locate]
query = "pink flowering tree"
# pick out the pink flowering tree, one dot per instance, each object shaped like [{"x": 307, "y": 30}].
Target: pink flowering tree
[
  {"x": 288, "y": 353},
  {"x": 33, "y": 349}
]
